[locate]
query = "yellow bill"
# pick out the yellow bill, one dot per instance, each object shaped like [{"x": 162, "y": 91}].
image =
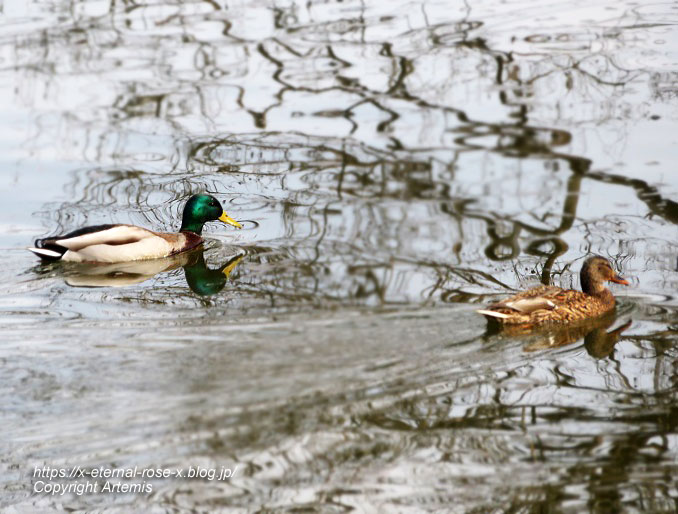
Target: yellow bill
[{"x": 230, "y": 221}]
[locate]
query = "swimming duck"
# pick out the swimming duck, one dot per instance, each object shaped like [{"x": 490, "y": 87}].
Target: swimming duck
[
  {"x": 123, "y": 243},
  {"x": 550, "y": 304}
]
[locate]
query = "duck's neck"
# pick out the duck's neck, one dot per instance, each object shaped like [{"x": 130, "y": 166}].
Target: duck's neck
[
  {"x": 596, "y": 289},
  {"x": 190, "y": 225},
  {"x": 606, "y": 297}
]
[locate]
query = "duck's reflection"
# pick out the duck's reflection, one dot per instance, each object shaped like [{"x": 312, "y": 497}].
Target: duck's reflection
[
  {"x": 205, "y": 281},
  {"x": 599, "y": 343},
  {"x": 201, "y": 279}
]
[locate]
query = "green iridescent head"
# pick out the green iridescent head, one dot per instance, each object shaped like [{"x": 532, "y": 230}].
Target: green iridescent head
[{"x": 203, "y": 208}]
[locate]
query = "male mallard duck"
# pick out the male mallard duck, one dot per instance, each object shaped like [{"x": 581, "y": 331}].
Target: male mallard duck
[
  {"x": 550, "y": 304},
  {"x": 122, "y": 243}
]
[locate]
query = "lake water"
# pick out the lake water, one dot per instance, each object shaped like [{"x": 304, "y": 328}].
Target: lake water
[{"x": 396, "y": 165}]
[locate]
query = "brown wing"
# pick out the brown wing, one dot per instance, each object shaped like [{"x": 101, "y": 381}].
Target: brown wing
[{"x": 546, "y": 292}]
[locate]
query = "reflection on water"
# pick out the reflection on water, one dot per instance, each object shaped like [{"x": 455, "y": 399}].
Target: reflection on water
[
  {"x": 404, "y": 162},
  {"x": 200, "y": 278},
  {"x": 599, "y": 343},
  {"x": 205, "y": 281}
]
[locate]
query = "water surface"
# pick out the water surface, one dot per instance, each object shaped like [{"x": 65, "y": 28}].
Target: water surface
[{"x": 396, "y": 165}]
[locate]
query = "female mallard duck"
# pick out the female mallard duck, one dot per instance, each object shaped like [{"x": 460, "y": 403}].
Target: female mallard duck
[
  {"x": 550, "y": 304},
  {"x": 122, "y": 243}
]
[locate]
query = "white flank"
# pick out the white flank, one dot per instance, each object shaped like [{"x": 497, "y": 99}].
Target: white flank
[
  {"x": 493, "y": 314},
  {"x": 153, "y": 247},
  {"x": 120, "y": 234},
  {"x": 45, "y": 252}
]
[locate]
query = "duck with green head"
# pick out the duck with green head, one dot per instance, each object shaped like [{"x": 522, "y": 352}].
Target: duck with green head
[{"x": 122, "y": 243}]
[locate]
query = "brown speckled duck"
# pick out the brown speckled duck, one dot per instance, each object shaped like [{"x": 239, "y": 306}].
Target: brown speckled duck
[{"x": 550, "y": 304}]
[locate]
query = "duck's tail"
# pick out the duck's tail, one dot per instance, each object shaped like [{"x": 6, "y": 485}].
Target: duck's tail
[
  {"x": 47, "y": 250},
  {"x": 46, "y": 255}
]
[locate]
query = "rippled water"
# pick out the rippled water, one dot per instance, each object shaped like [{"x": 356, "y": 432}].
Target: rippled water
[{"x": 396, "y": 165}]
